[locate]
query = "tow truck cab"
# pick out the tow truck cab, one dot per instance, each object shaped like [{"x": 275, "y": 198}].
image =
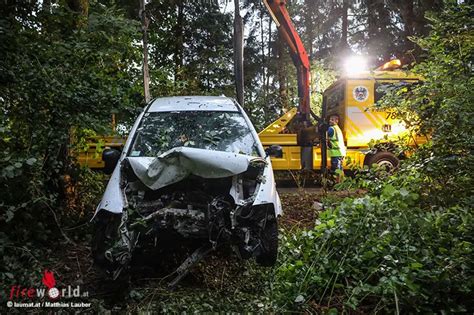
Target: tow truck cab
[{"x": 352, "y": 99}]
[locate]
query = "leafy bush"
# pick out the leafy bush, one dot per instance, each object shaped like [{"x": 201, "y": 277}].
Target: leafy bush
[
  {"x": 383, "y": 252},
  {"x": 53, "y": 77},
  {"x": 408, "y": 244},
  {"x": 442, "y": 105}
]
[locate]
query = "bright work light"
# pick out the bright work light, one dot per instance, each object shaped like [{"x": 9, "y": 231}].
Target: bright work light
[{"x": 355, "y": 64}]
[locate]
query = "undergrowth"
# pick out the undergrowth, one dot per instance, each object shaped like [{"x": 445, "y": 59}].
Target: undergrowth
[
  {"x": 380, "y": 251},
  {"x": 408, "y": 244}
]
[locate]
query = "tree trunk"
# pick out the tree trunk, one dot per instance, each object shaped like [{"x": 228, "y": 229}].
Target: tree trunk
[
  {"x": 378, "y": 43},
  {"x": 47, "y": 6},
  {"x": 282, "y": 74},
  {"x": 262, "y": 47},
  {"x": 146, "y": 74},
  {"x": 310, "y": 13},
  {"x": 81, "y": 8},
  {"x": 408, "y": 16},
  {"x": 178, "y": 47},
  {"x": 422, "y": 25},
  {"x": 269, "y": 55},
  {"x": 239, "y": 53},
  {"x": 371, "y": 24},
  {"x": 345, "y": 24}
]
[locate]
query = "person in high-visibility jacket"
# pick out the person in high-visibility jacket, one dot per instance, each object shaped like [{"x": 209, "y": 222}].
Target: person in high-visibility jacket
[{"x": 336, "y": 146}]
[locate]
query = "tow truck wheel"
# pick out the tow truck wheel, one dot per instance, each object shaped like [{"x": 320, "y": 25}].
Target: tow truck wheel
[
  {"x": 383, "y": 159},
  {"x": 269, "y": 242}
]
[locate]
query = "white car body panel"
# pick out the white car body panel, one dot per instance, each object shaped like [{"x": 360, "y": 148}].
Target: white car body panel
[
  {"x": 180, "y": 162},
  {"x": 193, "y": 103},
  {"x": 267, "y": 192},
  {"x": 177, "y": 163},
  {"x": 113, "y": 199}
]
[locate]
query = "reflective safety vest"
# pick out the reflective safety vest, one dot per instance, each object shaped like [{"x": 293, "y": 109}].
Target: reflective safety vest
[{"x": 336, "y": 145}]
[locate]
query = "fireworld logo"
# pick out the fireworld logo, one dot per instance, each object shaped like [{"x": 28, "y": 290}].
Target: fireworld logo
[{"x": 51, "y": 291}]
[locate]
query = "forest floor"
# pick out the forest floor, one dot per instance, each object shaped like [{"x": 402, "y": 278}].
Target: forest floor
[{"x": 218, "y": 283}]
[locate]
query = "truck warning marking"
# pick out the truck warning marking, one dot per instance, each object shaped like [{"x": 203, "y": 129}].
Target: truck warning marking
[{"x": 360, "y": 93}]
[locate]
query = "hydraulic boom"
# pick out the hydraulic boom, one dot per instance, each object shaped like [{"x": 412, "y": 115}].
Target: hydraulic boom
[
  {"x": 277, "y": 9},
  {"x": 305, "y": 138}
]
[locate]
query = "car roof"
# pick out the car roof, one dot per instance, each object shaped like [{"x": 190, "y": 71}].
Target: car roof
[{"x": 193, "y": 103}]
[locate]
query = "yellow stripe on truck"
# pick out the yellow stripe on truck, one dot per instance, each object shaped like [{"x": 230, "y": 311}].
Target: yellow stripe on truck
[
  {"x": 370, "y": 117},
  {"x": 354, "y": 129}
]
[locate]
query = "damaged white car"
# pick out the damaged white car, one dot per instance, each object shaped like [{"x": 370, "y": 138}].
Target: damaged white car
[{"x": 192, "y": 168}]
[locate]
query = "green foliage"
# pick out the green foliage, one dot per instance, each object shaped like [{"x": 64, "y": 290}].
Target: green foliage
[
  {"x": 54, "y": 77},
  {"x": 408, "y": 244},
  {"x": 190, "y": 48},
  {"x": 381, "y": 252},
  {"x": 86, "y": 193},
  {"x": 441, "y": 106},
  {"x": 322, "y": 78}
]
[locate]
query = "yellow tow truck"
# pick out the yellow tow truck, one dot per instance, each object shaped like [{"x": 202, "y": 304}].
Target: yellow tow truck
[
  {"x": 352, "y": 98},
  {"x": 92, "y": 155}
]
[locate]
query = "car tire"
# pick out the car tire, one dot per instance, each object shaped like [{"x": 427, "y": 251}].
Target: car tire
[
  {"x": 383, "y": 159},
  {"x": 269, "y": 243},
  {"x": 98, "y": 240},
  {"x": 105, "y": 233}
]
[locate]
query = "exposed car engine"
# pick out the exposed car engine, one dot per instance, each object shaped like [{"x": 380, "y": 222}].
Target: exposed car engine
[{"x": 217, "y": 211}]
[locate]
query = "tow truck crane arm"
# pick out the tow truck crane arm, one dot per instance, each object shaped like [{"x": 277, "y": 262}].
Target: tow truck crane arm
[
  {"x": 277, "y": 10},
  {"x": 279, "y": 14}
]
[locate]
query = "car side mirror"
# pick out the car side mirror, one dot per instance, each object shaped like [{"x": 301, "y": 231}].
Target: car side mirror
[
  {"x": 111, "y": 158},
  {"x": 274, "y": 151}
]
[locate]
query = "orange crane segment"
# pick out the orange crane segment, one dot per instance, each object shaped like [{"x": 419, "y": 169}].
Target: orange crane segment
[{"x": 279, "y": 13}]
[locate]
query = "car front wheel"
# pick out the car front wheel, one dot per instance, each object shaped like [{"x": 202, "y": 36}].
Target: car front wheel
[{"x": 269, "y": 244}]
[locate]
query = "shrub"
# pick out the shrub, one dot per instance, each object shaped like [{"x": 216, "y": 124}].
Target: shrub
[
  {"x": 381, "y": 252},
  {"x": 408, "y": 244}
]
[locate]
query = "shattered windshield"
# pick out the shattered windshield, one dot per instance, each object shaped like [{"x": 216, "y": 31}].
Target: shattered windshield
[{"x": 218, "y": 131}]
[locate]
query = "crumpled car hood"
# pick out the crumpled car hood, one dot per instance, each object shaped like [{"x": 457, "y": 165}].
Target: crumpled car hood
[{"x": 178, "y": 163}]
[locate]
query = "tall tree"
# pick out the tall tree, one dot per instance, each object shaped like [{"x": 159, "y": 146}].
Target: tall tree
[
  {"x": 192, "y": 43},
  {"x": 381, "y": 37},
  {"x": 345, "y": 25},
  {"x": 411, "y": 15},
  {"x": 81, "y": 10},
  {"x": 178, "y": 35},
  {"x": 146, "y": 73},
  {"x": 282, "y": 72},
  {"x": 310, "y": 20},
  {"x": 239, "y": 53}
]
